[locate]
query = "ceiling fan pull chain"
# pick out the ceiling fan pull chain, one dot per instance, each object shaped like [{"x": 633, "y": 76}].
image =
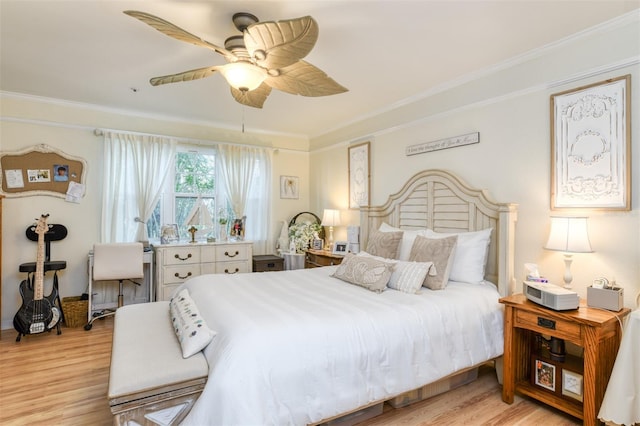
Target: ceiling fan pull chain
[{"x": 242, "y": 118}]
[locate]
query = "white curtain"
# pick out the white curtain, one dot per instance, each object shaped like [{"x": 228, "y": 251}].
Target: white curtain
[
  {"x": 246, "y": 176},
  {"x": 135, "y": 168}
]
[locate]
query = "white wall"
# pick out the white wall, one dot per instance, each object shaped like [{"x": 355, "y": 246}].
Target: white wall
[
  {"x": 509, "y": 106},
  {"x": 28, "y": 121}
]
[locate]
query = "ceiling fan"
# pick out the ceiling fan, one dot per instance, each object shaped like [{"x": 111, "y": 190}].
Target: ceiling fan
[{"x": 267, "y": 55}]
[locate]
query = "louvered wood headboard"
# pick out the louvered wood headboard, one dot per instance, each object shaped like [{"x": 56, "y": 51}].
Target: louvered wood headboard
[{"x": 439, "y": 200}]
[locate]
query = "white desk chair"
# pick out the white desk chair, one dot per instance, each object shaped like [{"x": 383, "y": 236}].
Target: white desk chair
[{"x": 116, "y": 261}]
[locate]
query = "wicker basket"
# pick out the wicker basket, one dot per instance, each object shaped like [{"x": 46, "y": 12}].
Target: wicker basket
[{"x": 75, "y": 311}]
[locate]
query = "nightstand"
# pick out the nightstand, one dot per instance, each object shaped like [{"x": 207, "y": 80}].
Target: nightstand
[
  {"x": 317, "y": 258},
  {"x": 597, "y": 331}
]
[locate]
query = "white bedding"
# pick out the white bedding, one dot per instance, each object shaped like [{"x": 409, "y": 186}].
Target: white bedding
[{"x": 296, "y": 347}]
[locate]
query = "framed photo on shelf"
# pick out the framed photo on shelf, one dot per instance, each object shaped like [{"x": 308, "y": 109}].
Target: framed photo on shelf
[
  {"x": 572, "y": 384},
  {"x": 359, "y": 175},
  {"x": 339, "y": 247},
  {"x": 591, "y": 146},
  {"x": 545, "y": 375}
]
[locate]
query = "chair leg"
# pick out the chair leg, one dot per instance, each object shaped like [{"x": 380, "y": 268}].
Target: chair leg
[{"x": 110, "y": 312}]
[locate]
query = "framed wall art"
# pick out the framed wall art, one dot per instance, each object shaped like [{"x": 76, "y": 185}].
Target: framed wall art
[
  {"x": 591, "y": 146},
  {"x": 359, "y": 175},
  {"x": 289, "y": 187}
]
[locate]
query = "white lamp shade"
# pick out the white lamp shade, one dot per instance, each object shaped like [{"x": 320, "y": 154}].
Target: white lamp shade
[
  {"x": 331, "y": 217},
  {"x": 569, "y": 234}
]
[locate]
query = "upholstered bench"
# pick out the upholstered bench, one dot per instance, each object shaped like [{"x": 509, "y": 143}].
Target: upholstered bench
[{"x": 149, "y": 379}]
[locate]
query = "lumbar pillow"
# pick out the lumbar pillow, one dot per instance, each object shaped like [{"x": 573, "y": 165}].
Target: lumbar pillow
[
  {"x": 191, "y": 330},
  {"x": 470, "y": 258},
  {"x": 440, "y": 251},
  {"x": 410, "y": 276},
  {"x": 408, "y": 237},
  {"x": 384, "y": 244},
  {"x": 364, "y": 271}
]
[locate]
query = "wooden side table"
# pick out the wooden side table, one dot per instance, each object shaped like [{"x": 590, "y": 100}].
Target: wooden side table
[
  {"x": 318, "y": 258},
  {"x": 597, "y": 331}
]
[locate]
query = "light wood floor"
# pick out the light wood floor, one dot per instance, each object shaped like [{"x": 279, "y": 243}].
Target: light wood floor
[{"x": 48, "y": 379}]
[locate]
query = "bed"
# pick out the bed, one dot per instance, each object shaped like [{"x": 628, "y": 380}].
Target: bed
[{"x": 300, "y": 347}]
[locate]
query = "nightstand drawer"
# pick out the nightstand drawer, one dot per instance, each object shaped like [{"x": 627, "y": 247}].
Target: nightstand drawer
[{"x": 543, "y": 324}]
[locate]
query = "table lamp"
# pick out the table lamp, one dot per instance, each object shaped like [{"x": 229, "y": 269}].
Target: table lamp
[
  {"x": 330, "y": 218},
  {"x": 568, "y": 235}
]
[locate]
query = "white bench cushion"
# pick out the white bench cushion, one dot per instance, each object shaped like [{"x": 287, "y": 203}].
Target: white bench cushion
[{"x": 146, "y": 354}]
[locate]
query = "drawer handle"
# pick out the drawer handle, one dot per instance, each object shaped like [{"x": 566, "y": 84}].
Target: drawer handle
[
  {"x": 181, "y": 277},
  {"x": 177, "y": 256},
  {"x": 226, "y": 271},
  {"x": 546, "y": 323},
  {"x": 226, "y": 253}
]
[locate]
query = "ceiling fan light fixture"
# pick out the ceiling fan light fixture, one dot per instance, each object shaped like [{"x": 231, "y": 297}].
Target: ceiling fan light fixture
[{"x": 243, "y": 76}]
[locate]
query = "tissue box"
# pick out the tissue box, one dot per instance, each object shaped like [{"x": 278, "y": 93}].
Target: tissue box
[{"x": 606, "y": 298}]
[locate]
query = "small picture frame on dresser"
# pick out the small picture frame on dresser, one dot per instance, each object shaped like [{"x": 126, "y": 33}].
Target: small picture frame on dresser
[
  {"x": 317, "y": 244},
  {"x": 339, "y": 247}
]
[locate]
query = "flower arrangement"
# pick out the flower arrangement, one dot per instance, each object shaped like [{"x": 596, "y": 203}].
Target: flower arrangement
[{"x": 301, "y": 234}]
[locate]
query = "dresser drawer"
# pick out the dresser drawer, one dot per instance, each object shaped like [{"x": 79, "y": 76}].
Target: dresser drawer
[
  {"x": 239, "y": 267},
  {"x": 232, "y": 252},
  {"x": 548, "y": 325},
  {"x": 181, "y": 256},
  {"x": 180, "y": 273}
]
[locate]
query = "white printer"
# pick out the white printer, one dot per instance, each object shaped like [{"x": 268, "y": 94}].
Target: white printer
[{"x": 551, "y": 295}]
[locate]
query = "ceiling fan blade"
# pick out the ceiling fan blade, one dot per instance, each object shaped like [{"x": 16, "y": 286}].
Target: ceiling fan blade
[
  {"x": 275, "y": 45},
  {"x": 176, "y": 32},
  {"x": 253, "y": 98},
  {"x": 305, "y": 79},
  {"x": 184, "y": 76}
]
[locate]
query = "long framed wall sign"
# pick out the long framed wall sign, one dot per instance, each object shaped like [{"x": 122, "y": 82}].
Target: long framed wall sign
[
  {"x": 591, "y": 146},
  {"x": 359, "y": 175}
]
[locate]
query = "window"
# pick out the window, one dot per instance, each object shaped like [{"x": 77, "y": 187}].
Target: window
[{"x": 194, "y": 176}]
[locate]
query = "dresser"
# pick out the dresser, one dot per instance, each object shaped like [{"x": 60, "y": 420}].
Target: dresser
[{"x": 176, "y": 263}]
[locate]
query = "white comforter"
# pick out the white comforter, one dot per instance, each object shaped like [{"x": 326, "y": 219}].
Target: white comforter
[{"x": 296, "y": 347}]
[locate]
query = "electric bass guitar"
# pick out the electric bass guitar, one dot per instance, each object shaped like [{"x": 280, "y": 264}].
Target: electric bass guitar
[{"x": 37, "y": 313}]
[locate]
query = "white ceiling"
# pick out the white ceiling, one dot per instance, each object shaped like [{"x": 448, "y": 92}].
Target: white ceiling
[{"x": 384, "y": 52}]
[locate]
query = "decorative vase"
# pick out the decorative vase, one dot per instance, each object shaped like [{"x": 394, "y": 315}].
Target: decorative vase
[{"x": 222, "y": 232}]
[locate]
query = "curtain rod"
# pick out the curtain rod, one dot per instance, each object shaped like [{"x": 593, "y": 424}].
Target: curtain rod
[{"x": 199, "y": 142}]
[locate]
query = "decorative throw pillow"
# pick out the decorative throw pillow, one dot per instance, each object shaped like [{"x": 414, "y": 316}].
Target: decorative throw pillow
[
  {"x": 440, "y": 251},
  {"x": 408, "y": 237},
  {"x": 191, "y": 330},
  {"x": 384, "y": 244},
  {"x": 407, "y": 277},
  {"x": 470, "y": 258},
  {"x": 410, "y": 276},
  {"x": 364, "y": 271}
]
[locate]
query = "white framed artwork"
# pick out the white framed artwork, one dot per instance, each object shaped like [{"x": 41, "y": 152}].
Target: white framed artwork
[
  {"x": 590, "y": 146},
  {"x": 289, "y": 187},
  {"x": 359, "y": 175}
]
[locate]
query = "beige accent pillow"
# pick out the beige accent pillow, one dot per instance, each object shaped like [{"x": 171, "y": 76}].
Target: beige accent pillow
[
  {"x": 384, "y": 244},
  {"x": 364, "y": 271},
  {"x": 440, "y": 251},
  {"x": 409, "y": 276}
]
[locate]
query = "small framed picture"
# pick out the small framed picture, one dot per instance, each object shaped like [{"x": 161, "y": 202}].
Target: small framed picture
[
  {"x": 339, "y": 247},
  {"x": 545, "y": 375},
  {"x": 317, "y": 244},
  {"x": 572, "y": 384}
]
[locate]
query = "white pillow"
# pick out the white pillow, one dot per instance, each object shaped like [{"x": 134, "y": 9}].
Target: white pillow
[
  {"x": 407, "y": 277},
  {"x": 408, "y": 237},
  {"x": 191, "y": 330},
  {"x": 470, "y": 257}
]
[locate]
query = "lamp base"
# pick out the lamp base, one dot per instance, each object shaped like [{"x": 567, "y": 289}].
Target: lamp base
[{"x": 567, "y": 277}]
